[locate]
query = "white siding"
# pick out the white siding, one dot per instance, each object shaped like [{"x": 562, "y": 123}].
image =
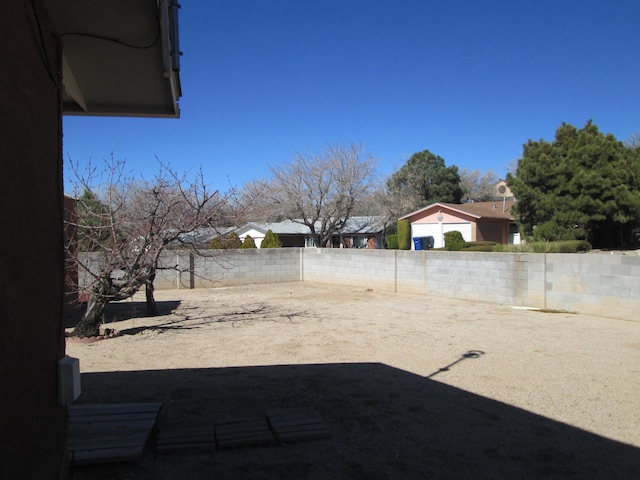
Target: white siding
[
  {"x": 437, "y": 231},
  {"x": 255, "y": 234}
]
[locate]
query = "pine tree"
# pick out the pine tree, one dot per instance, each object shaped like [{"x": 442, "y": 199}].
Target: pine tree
[
  {"x": 583, "y": 185},
  {"x": 232, "y": 241},
  {"x": 216, "y": 244},
  {"x": 249, "y": 242},
  {"x": 270, "y": 240}
]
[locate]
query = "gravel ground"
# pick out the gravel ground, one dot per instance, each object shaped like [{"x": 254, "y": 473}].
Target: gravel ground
[{"x": 410, "y": 386}]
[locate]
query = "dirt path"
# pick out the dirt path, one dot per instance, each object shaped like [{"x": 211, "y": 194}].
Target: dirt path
[{"x": 411, "y": 387}]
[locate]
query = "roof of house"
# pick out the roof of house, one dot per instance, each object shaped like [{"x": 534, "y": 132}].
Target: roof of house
[
  {"x": 203, "y": 236},
  {"x": 119, "y": 57},
  {"x": 354, "y": 225},
  {"x": 478, "y": 210}
]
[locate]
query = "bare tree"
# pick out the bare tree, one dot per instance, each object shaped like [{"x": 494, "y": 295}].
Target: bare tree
[
  {"x": 321, "y": 191},
  {"x": 257, "y": 204},
  {"x": 633, "y": 142},
  {"x": 131, "y": 222},
  {"x": 478, "y": 186},
  {"x": 512, "y": 167}
]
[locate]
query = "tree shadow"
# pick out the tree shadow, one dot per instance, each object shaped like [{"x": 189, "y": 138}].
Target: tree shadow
[
  {"x": 249, "y": 314},
  {"x": 385, "y": 423},
  {"x": 118, "y": 311},
  {"x": 188, "y": 318}
]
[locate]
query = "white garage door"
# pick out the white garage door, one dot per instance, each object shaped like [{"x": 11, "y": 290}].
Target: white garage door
[{"x": 437, "y": 231}]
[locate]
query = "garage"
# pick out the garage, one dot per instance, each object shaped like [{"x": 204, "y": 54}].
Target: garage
[
  {"x": 476, "y": 221},
  {"x": 437, "y": 231}
]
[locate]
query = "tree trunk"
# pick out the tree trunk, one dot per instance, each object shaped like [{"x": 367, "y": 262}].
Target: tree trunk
[
  {"x": 152, "y": 309},
  {"x": 93, "y": 317}
]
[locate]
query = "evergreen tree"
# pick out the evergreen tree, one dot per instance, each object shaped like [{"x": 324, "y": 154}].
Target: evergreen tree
[
  {"x": 232, "y": 241},
  {"x": 583, "y": 185},
  {"x": 424, "y": 179},
  {"x": 270, "y": 240},
  {"x": 94, "y": 232},
  {"x": 404, "y": 235},
  {"x": 216, "y": 244},
  {"x": 249, "y": 242}
]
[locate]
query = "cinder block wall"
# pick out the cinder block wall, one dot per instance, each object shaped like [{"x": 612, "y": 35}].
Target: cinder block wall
[
  {"x": 228, "y": 267},
  {"x": 499, "y": 278},
  {"x": 487, "y": 277},
  {"x": 362, "y": 268},
  {"x": 411, "y": 271},
  {"x": 607, "y": 285}
]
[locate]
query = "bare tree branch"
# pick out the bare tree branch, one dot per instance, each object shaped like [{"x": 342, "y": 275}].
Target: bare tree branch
[
  {"x": 131, "y": 222},
  {"x": 321, "y": 191}
]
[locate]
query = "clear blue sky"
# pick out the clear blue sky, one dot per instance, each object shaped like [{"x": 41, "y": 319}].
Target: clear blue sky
[{"x": 469, "y": 80}]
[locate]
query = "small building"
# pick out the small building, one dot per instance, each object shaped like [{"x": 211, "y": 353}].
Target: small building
[{"x": 477, "y": 221}]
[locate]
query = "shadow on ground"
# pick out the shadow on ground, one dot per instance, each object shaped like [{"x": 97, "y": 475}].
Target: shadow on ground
[
  {"x": 118, "y": 311},
  {"x": 386, "y": 423}
]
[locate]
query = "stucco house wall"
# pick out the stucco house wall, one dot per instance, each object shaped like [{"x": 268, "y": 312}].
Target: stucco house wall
[{"x": 492, "y": 232}]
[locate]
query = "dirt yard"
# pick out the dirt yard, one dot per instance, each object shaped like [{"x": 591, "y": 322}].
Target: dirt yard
[{"x": 409, "y": 386}]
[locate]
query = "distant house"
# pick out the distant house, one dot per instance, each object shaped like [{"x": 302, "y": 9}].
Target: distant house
[
  {"x": 201, "y": 238},
  {"x": 359, "y": 232},
  {"x": 477, "y": 221},
  {"x": 501, "y": 190}
]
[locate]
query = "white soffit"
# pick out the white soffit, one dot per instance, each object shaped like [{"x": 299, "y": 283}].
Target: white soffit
[{"x": 120, "y": 57}]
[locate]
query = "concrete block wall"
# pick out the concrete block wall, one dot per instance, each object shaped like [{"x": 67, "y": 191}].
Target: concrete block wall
[
  {"x": 351, "y": 267},
  {"x": 495, "y": 278},
  {"x": 217, "y": 268},
  {"x": 88, "y": 262},
  {"x": 486, "y": 277},
  {"x": 535, "y": 294},
  {"x": 604, "y": 285},
  {"x": 504, "y": 278},
  {"x": 411, "y": 271}
]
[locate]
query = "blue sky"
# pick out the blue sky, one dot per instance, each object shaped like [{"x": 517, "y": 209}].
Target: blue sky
[{"x": 470, "y": 81}]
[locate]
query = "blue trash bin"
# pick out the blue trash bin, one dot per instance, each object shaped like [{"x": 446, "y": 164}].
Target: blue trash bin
[{"x": 417, "y": 243}]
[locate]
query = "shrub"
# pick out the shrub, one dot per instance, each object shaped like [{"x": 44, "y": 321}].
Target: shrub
[
  {"x": 232, "y": 241},
  {"x": 480, "y": 246},
  {"x": 573, "y": 246},
  {"x": 216, "y": 244},
  {"x": 453, "y": 240},
  {"x": 249, "y": 242},
  {"x": 392, "y": 241},
  {"x": 565, "y": 246},
  {"x": 404, "y": 235},
  {"x": 270, "y": 240}
]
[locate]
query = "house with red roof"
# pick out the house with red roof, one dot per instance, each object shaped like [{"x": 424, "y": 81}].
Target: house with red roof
[{"x": 477, "y": 221}]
